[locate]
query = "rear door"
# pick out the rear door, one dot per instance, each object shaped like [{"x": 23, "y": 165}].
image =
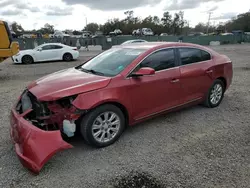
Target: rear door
[
  {"x": 161, "y": 91},
  {"x": 57, "y": 52},
  {"x": 196, "y": 69}
]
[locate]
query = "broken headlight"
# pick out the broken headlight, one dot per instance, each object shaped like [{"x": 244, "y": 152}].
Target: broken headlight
[{"x": 66, "y": 102}]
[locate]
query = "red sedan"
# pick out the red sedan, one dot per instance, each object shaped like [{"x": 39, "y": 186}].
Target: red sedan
[{"x": 121, "y": 86}]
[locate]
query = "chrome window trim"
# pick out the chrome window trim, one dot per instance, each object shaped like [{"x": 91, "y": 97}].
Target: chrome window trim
[
  {"x": 196, "y": 49},
  {"x": 172, "y": 47}
]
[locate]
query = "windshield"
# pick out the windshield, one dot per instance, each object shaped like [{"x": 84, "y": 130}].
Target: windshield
[
  {"x": 112, "y": 61},
  {"x": 127, "y": 42}
]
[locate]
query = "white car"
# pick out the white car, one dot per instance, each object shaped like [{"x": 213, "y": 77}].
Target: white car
[
  {"x": 163, "y": 34},
  {"x": 133, "y": 41},
  {"x": 117, "y": 31},
  {"x": 47, "y": 52},
  {"x": 60, "y": 34},
  {"x": 147, "y": 32},
  {"x": 225, "y": 34}
]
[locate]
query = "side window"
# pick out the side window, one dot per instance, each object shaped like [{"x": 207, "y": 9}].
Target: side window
[
  {"x": 190, "y": 55},
  {"x": 57, "y": 47},
  {"x": 137, "y": 41},
  {"x": 160, "y": 60},
  {"x": 47, "y": 47},
  {"x": 205, "y": 56}
]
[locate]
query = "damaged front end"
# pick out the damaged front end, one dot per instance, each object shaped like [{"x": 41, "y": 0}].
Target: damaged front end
[{"x": 37, "y": 128}]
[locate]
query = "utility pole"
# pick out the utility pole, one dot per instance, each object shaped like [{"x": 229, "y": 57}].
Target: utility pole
[
  {"x": 86, "y": 21},
  {"x": 209, "y": 17}
]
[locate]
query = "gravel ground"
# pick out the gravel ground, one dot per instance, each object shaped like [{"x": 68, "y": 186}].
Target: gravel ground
[{"x": 194, "y": 147}]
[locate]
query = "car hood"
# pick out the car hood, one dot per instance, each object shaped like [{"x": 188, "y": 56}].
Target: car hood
[
  {"x": 65, "y": 83},
  {"x": 22, "y": 52}
]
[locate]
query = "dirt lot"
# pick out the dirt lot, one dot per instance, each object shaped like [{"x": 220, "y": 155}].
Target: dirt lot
[{"x": 195, "y": 147}]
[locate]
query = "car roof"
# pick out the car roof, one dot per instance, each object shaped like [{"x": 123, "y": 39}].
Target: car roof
[
  {"x": 158, "y": 45},
  {"x": 60, "y": 44},
  {"x": 135, "y": 40},
  {"x": 55, "y": 43}
]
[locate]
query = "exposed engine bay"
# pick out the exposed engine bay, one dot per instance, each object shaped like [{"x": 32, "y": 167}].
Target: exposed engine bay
[{"x": 48, "y": 116}]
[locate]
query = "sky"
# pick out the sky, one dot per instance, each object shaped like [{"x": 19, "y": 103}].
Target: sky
[{"x": 73, "y": 14}]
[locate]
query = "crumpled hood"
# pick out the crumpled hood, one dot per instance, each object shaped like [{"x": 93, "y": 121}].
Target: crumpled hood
[{"x": 66, "y": 83}]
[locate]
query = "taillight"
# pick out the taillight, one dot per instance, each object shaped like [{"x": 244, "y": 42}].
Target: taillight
[{"x": 75, "y": 49}]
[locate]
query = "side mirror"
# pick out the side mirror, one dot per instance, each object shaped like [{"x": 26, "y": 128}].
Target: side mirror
[
  {"x": 144, "y": 71},
  {"x": 39, "y": 49}
]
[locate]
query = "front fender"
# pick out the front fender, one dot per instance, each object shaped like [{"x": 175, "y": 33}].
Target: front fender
[
  {"x": 93, "y": 99},
  {"x": 22, "y": 55}
]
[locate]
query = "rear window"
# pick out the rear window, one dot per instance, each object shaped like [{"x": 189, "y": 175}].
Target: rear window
[
  {"x": 193, "y": 55},
  {"x": 205, "y": 56}
]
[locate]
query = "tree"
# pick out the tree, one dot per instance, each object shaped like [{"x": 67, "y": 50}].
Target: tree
[
  {"x": 47, "y": 29},
  {"x": 77, "y": 32},
  {"x": 200, "y": 27},
  {"x": 130, "y": 15},
  {"x": 175, "y": 23},
  {"x": 156, "y": 20},
  {"x": 111, "y": 25},
  {"x": 182, "y": 22},
  {"x": 17, "y": 28},
  {"x": 92, "y": 27},
  {"x": 167, "y": 22},
  {"x": 241, "y": 22}
]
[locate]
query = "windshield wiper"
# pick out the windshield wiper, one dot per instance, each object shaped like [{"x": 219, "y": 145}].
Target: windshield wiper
[{"x": 92, "y": 71}]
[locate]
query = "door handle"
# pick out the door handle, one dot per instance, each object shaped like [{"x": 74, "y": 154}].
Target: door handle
[
  {"x": 209, "y": 71},
  {"x": 175, "y": 80}
]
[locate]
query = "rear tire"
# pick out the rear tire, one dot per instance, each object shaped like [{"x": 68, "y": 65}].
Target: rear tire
[
  {"x": 27, "y": 59},
  {"x": 103, "y": 125},
  {"x": 67, "y": 57},
  {"x": 215, "y": 94}
]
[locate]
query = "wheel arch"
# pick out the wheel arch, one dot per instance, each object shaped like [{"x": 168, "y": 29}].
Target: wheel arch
[
  {"x": 120, "y": 106},
  {"x": 223, "y": 80},
  {"x": 27, "y": 55},
  {"x": 66, "y": 52}
]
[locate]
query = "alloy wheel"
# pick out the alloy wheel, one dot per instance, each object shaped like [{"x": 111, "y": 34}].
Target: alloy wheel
[
  {"x": 106, "y": 126},
  {"x": 216, "y": 94}
]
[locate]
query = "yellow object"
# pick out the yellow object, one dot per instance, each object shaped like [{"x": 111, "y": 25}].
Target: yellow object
[
  {"x": 8, "y": 48},
  {"x": 46, "y": 36}
]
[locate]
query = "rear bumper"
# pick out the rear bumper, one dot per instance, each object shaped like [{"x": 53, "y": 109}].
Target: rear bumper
[
  {"x": 76, "y": 55},
  {"x": 33, "y": 146}
]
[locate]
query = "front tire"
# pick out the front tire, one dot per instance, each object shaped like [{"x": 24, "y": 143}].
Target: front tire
[
  {"x": 215, "y": 94},
  {"x": 27, "y": 59},
  {"x": 67, "y": 57},
  {"x": 103, "y": 125}
]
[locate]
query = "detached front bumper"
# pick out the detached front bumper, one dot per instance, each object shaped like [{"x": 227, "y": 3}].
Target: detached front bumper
[{"x": 33, "y": 146}]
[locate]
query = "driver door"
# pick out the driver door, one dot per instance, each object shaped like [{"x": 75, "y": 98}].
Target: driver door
[
  {"x": 45, "y": 54},
  {"x": 153, "y": 94}
]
